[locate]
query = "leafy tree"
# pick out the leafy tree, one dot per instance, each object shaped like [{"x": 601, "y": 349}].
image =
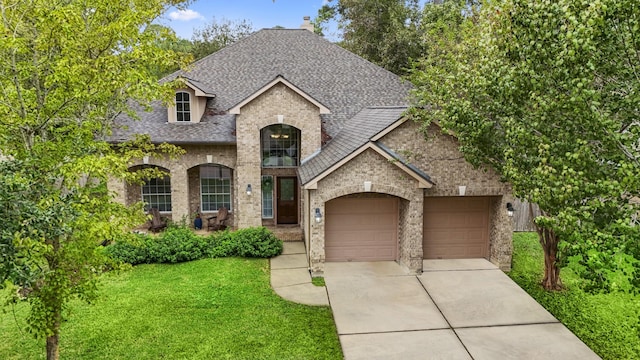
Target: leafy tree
[
  {"x": 216, "y": 35},
  {"x": 168, "y": 40},
  {"x": 385, "y": 32},
  {"x": 67, "y": 69},
  {"x": 547, "y": 93}
]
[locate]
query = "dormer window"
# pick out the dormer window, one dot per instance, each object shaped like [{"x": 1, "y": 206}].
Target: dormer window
[{"x": 183, "y": 106}]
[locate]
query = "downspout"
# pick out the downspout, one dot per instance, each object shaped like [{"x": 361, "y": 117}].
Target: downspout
[{"x": 307, "y": 226}]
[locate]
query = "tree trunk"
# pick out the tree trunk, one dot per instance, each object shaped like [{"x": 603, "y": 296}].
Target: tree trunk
[
  {"x": 549, "y": 241},
  {"x": 53, "y": 352},
  {"x": 55, "y": 304}
]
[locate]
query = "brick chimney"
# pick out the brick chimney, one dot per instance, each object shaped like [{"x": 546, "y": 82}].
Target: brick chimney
[{"x": 307, "y": 25}]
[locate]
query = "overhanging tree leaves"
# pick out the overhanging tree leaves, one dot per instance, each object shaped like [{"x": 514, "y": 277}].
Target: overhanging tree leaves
[
  {"x": 67, "y": 69},
  {"x": 548, "y": 93}
]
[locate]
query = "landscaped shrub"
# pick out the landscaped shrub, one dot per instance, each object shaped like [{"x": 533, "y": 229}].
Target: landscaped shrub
[
  {"x": 257, "y": 242},
  {"x": 177, "y": 244},
  {"x": 131, "y": 248},
  {"x": 224, "y": 244},
  {"x": 180, "y": 244}
]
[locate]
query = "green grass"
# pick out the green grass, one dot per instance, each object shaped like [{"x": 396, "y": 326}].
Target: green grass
[
  {"x": 318, "y": 281},
  {"x": 608, "y": 323},
  {"x": 205, "y": 309}
]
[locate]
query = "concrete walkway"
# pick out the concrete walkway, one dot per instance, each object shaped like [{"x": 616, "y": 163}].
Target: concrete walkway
[
  {"x": 457, "y": 309},
  {"x": 290, "y": 277}
]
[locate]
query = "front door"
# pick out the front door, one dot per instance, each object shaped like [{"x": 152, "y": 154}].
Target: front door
[{"x": 287, "y": 211}]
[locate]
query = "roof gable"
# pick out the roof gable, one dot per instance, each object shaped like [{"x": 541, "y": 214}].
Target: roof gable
[
  {"x": 278, "y": 80},
  {"x": 359, "y": 134},
  {"x": 199, "y": 88},
  {"x": 423, "y": 179}
]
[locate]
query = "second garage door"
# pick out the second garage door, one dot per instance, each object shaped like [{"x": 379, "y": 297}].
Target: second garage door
[
  {"x": 361, "y": 229},
  {"x": 456, "y": 227}
]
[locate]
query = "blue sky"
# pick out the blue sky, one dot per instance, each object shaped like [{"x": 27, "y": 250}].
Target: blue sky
[{"x": 261, "y": 13}]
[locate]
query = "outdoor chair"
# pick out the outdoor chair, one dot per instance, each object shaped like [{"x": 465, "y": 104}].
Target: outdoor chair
[
  {"x": 157, "y": 223},
  {"x": 217, "y": 222}
]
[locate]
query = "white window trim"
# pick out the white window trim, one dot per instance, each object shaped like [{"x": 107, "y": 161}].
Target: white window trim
[
  {"x": 230, "y": 209},
  {"x": 190, "y": 102},
  {"x": 272, "y": 198},
  {"x": 142, "y": 194}
]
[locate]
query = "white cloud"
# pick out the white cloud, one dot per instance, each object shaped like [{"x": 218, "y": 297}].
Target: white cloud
[{"x": 185, "y": 15}]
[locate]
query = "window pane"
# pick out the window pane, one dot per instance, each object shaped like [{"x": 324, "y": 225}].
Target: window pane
[
  {"x": 183, "y": 107},
  {"x": 267, "y": 196},
  {"x": 215, "y": 187},
  {"x": 156, "y": 193},
  {"x": 280, "y": 146}
]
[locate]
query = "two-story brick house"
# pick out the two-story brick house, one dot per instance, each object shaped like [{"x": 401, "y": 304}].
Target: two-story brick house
[{"x": 287, "y": 129}]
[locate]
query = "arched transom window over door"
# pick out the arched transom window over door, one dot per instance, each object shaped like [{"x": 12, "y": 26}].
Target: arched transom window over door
[{"x": 280, "y": 146}]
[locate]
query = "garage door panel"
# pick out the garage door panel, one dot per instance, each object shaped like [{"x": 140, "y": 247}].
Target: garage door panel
[
  {"x": 457, "y": 252},
  {"x": 358, "y": 253},
  {"x": 456, "y": 228},
  {"x": 357, "y": 221},
  {"x": 361, "y": 229}
]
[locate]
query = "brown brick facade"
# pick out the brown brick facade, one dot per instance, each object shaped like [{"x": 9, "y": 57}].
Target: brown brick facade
[
  {"x": 386, "y": 178},
  {"x": 437, "y": 155},
  {"x": 263, "y": 111}
]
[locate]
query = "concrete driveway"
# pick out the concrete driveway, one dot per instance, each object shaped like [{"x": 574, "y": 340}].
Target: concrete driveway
[{"x": 457, "y": 309}]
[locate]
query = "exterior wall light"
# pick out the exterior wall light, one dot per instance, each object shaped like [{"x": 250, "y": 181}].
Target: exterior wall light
[
  {"x": 249, "y": 189},
  {"x": 510, "y": 209},
  {"x": 318, "y": 215}
]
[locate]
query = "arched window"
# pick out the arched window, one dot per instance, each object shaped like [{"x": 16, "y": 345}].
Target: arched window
[
  {"x": 280, "y": 146},
  {"x": 156, "y": 193},
  {"x": 183, "y": 106},
  {"x": 215, "y": 187}
]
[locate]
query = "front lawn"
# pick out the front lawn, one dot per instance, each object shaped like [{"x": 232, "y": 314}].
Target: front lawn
[
  {"x": 608, "y": 323},
  {"x": 205, "y": 309}
]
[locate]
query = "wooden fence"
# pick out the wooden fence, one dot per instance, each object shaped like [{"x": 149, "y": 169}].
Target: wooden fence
[{"x": 523, "y": 216}]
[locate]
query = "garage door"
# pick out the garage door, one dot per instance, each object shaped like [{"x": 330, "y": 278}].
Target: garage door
[
  {"x": 456, "y": 227},
  {"x": 361, "y": 229}
]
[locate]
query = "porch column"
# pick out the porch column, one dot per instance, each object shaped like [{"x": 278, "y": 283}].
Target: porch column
[
  {"x": 410, "y": 233},
  {"x": 249, "y": 206},
  {"x": 118, "y": 188},
  {"x": 179, "y": 194}
]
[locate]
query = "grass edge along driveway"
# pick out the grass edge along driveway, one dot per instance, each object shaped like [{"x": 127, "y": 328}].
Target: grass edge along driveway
[{"x": 206, "y": 309}]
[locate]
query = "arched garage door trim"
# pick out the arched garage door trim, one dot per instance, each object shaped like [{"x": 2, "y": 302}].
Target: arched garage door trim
[{"x": 362, "y": 228}]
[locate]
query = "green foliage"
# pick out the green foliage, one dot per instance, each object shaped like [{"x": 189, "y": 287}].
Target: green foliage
[
  {"x": 131, "y": 248},
  {"x": 68, "y": 68},
  {"x": 176, "y": 244},
  {"x": 206, "y": 309},
  {"x": 544, "y": 93},
  {"x": 257, "y": 242},
  {"x": 318, "y": 281},
  {"x": 168, "y": 40},
  {"x": 608, "y": 323},
  {"x": 180, "y": 244},
  {"x": 385, "y": 32},
  {"x": 217, "y": 35}
]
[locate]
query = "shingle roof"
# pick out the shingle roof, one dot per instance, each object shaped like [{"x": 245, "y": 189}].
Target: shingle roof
[
  {"x": 357, "y": 132},
  {"x": 218, "y": 129},
  {"x": 337, "y": 78}
]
